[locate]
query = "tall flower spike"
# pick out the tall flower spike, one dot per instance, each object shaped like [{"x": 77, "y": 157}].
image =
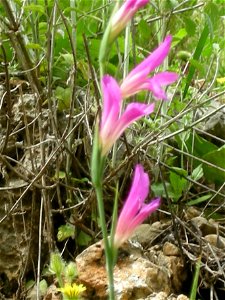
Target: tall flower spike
[
  {"x": 135, "y": 211},
  {"x": 123, "y": 15},
  {"x": 112, "y": 124},
  {"x": 138, "y": 79}
]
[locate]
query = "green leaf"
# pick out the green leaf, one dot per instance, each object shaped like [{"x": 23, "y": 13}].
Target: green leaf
[
  {"x": 63, "y": 95},
  {"x": 216, "y": 158},
  {"x": 184, "y": 55},
  {"x": 61, "y": 175},
  {"x": 190, "y": 26},
  {"x": 178, "y": 182},
  {"x": 197, "y": 65},
  {"x": 180, "y": 34},
  {"x": 159, "y": 190},
  {"x": 197, "y": 173},
  {"x": 43, "y": 287},
  {"x": 83, "y": 238},
  {"x": 196, "y": 56},
  {"x": 82, "y": 65},
  {"x": 35, "y": 8},
  {"x": 200, "y": 147},
  {"x": 212, "y": 10},
  {"x": 29, "y": 284},
  {"x": 65, "y": 231},
  {"x": 70, "y": 272},
  {"x": 57, "y": 264},
  {"x": 199, "y": 200},
  {"x": 68, "y": 59},
  {"x": 144, "y": 32},
  {"x": 80, "y": 180},
  {"x": 33, "y": 46}
]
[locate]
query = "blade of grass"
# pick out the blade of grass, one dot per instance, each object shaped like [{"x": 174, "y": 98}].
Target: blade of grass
[
  {"x": 194, "y": 287},
  {"x": 196, "y": 56}
]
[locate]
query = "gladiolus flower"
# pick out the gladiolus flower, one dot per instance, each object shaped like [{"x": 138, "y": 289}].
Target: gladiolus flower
[
  {"x": 112, "y": 124},
  {"x": 135, "y": 211},
  {"x": 123, "y": 15},
  {"x": 138, "y": 79}
]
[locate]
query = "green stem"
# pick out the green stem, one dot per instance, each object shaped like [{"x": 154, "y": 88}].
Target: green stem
[
  {"x": 108, "y": 252},
  {"x": 101, "y": 68},
  {"x": 59, "y": 277}
]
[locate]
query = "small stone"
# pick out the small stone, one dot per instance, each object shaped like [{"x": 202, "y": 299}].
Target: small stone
[
  {"x": 164, "y": 296},
  {"x": 145, "y": 233},
  {"x": 215, "y": 240},
  {"x": 170, "y": 249},
  {"x": 159, "y": 296},
  {"x": 182, "y": 297},
  {"x": 191, "y": 212},
  {"x": 204, "y": 225}
]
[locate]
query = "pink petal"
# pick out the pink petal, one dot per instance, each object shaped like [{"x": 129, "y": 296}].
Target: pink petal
[
  {"x": 150, "y": 63},
  {"x": 126, "y": 12},
  {"x": 113, "y": 130},
  {"x": 140, "y": 184},
  {"x": 111, "y": 97},
  {"x": 155, "y": 83},
  {"x": 127, "y": 225},
  {"x": 162, "y": 79},
  {"x": 111, "y": 104},
  {"x": 165, "y": 78},
  {"x": 112, "y": 126},
  {"x": 145, "y": 211},
  {"x": 138, "y": 193},
  {"x": 134, "y": 5},
  {"x": 111, "y": 109},
  {"x": 133, "y": 112}
]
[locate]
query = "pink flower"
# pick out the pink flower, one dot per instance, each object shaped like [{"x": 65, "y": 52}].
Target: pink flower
[
  {"x": 138, "y": 79},
  {"x": 135, "y": 211},
  {"x": 112, "y": 124},
  {"x": 123, "y": 16}
]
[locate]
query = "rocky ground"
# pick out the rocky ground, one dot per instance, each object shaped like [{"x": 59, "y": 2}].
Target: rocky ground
[{"x": 159, "y": 261}]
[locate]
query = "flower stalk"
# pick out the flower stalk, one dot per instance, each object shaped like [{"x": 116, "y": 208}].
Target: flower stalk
[
  {"x": 115, "y": 119},
  {"x": 97, "y": 171},
  {"x": 108, "y": 251}
]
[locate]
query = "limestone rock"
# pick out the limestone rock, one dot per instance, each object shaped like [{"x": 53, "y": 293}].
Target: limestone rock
[
  {"x": 215, "y": 124},
  {"x": 215, "y": 240},
  {"x": 170, "y": 249},
  {"x": 145, "y": 233},
  {"x": 164, "y": 296},
  {"x": 191, "y": 212},
  {"x": 136, "y": 276}
]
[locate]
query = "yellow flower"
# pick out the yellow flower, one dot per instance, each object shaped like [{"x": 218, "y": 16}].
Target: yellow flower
[
  {"x": 221, "y": 80},
  {"x": 72, "y": 291}
]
